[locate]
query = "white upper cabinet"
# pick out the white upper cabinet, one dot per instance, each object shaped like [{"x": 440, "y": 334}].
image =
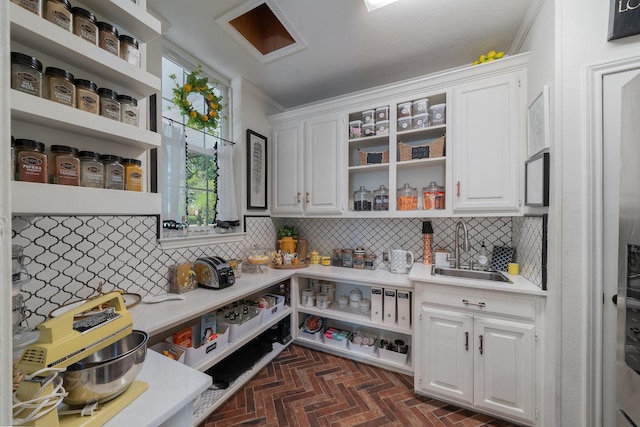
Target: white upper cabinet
[
  {"x": 286, "y": 164},
  {"x": 487, "y": 139}
]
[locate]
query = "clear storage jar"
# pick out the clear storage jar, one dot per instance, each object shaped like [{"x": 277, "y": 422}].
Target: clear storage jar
[
  {"x": 87, "y": 98},
  {"x": 91, "y": 170},
  {"x": 407, "y": 198},
  {"x": 381, "y": 199},
  {"x": 109, "y": 104},
  {"x": 433, "y": 197},
  {"x": 113, "y": 172},
  {"x": 59, "y": 12},
  {"x": 31, "y": 161},
  {"x": 26, "y": 74},
  {"x": 65, "y": 165},
  {"x": 33, "y": 6},
  {"x": 133, "y": 174},
  {"x": 128, "y": 109},
  {"x": 129, "y": 50},
  {"x": 59, "y": 86},
  {"x": 108, "y": 38},
  {"x": 362, "y": 200},
  {"x": 85, "y": 25}
]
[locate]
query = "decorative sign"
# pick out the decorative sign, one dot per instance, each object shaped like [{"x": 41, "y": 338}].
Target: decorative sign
[
  {"x": 374, "y": 158},
  {"x": 624, "y": 18},
  {"x": 421, "y": 152}
]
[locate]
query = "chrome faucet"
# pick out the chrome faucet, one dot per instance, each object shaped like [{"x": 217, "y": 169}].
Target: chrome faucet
[{"x": 456, "y": 246}]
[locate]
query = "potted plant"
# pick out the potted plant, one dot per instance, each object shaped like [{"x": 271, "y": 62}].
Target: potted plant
[{"x": 287, "y": 239}]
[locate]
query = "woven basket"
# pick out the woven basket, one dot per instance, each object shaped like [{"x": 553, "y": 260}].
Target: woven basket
[
  {"x": 436, "y": 149},
  {"x": 366, "y": 159}
]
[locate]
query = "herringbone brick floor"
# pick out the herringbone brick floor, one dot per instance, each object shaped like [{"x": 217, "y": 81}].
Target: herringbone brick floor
[{"x": 308, "y": 388}]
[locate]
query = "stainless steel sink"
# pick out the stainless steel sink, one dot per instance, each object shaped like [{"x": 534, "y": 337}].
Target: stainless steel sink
[{"x": 493, "y": 276}]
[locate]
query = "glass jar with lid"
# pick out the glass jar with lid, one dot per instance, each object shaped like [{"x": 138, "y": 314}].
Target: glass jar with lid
[
  {"x": 381, "y": 199},
  {"x": 59, "y": 13},
  {"x": 31, "y": 161},
  {"x": 129, "y": 49},
  {"x": 109, "y": 104},
  {"x": 407, "y": 198},
  {"x": 362, "y": 199},
  {"x": 26, "y": 74},
  {"x": 128, "y": 109},
  {"x": 113, "y": 172},
  {"x": 87, "y": 96},
  {"x": 91, "y": 170},
  {"x": 85, "y": 25},
  {"x": 33, "y": 6},
  {"x": 65, "y": 165},
  {"x": 432, "y": 197},
  {"x": 108, "y": 38},
  {"x": 60, "y": 86},
  {"x": 133, "y": 174}
]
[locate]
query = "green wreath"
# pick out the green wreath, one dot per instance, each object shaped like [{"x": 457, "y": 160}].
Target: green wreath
[{"x": 196, "y": 83}]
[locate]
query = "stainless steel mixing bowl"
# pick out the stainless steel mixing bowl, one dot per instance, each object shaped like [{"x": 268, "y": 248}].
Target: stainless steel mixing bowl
[{"x": 107, "y": 373}]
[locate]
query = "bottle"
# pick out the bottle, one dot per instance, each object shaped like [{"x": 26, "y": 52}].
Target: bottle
[{"x": 483, "y": 257}]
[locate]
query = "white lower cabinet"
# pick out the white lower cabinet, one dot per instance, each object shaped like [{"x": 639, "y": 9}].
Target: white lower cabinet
[{"x": 480, "y": 357}]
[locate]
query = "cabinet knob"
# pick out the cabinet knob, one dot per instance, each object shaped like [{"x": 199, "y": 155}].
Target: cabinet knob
[
  {"x": 458, "y": 189},
  {"x": 481, "y": 344},
  {"x": 466, "y": 341}
]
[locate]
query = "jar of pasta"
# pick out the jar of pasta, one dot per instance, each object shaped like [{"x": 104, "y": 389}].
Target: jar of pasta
[{"x": 407, "y": 198}]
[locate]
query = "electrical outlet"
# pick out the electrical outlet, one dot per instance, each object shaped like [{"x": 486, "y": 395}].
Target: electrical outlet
[{"x": 385, "y": 256}]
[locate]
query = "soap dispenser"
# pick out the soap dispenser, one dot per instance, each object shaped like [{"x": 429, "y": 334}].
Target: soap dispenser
[{"x": 483, "y": 257}]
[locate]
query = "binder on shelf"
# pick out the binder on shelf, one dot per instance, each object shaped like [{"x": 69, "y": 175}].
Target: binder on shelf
[
  {"x": 389, "y": 307},
  {"x": 404, "y": 309},
  {"x": 376, "y": 305}
]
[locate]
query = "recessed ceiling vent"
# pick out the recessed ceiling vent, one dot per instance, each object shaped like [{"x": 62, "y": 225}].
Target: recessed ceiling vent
[{"x": 262, "y": 28}]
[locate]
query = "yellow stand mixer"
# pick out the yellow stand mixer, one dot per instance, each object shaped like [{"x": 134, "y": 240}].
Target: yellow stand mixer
[{"x": 63, "y": 341}]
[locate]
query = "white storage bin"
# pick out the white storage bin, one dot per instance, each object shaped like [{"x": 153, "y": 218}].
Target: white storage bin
[
  {"x": 382, "y": 113},
  {"x": 238, "y": 331},
  {"x": 404, "y": 110},
  {"x": 309, "y": 336},
  {"x": 367, "y": 350},
  {"x": 335, "y": 342},
  {"x": 195, "y": 356},
  {"x": 266, "y": 314},
  {"x": 405, "y": 123},
  {"x": 369, "y": 117},
  {"x": 369, "y": 129},
  {"x": 382, "y": 128},
  {"x": 420, "y": 106},
  {"x": 437, "y": 114},
  {"x": 163, "y": 346},
  {"x": 393, "y": 356}
]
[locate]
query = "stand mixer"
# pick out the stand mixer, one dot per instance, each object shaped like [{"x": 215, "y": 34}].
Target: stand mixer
[{"x": 64, "y": 341}]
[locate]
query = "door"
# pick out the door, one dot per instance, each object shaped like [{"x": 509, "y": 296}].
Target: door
[
  {"x": 504, "y": 367},
  {"x": 287, "y": 169},
  {"x": 446, "y": 367},
  {"x": 322, "y": 180},
  {"x": 487, "y": 127}
]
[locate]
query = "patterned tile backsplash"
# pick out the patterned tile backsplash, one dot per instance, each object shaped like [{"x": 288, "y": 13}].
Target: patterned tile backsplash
[{"x": 68, "y": 256}]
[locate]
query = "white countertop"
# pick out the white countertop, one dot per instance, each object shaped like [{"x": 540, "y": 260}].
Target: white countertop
[
  {"x": 422, "y": 273},
  {"x": 356, "y": 275},
  {"x": 172, "y": 386}
]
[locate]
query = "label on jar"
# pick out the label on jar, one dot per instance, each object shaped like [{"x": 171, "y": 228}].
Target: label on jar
[
  {"x": 28, "y": 82},
  {"x": 132, "y": 55},
  {"x": 92, "y": 175},
  {"x": 86, "y": 30},
  {"x": 114, "y": 178},
  {"x": 110, "y": 109},
  {"x": 87, "y": 101},
  {"x": 31, "y": 5},
  {"x": 67, "y": 172},
  {"x": 129, "y": 114},
  {"x": 109, "y": 42},
  {"x": 32, "y": 167},
  {"x": 134, "y": 181},
  {"x": 62, "y": 93},
  {"x": 58, "y": 14}
]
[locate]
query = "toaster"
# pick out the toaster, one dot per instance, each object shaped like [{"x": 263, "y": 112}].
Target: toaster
[{"x": 213, "y": 273}]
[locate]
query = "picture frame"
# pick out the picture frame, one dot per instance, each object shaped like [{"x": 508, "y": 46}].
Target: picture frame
[
  {"x": 538, "y": 123},
  {"x": 537, "y": 180},
  {"x": 256, "y": 170},
  {"x": 624, "y": 19}
]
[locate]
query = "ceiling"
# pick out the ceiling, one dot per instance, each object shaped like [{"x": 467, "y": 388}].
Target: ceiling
[{"x": 347, "y": 48}]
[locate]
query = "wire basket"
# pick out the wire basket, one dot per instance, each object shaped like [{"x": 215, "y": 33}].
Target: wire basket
[
  {"x": 411, "y": 152},
  {"x": 371, "y": 158}
]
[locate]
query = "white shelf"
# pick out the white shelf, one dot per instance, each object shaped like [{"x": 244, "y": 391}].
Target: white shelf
[
  {"x": 420, "y": 163},
  {"x": 351, "y": 315},
  {"x": 372, "y": 360},
  {"x": 369, "y": 168},
  {"x": 129, "y": 17},
  {"x": 420, "y": 131},
  {"x": 38, "y": 111},
  {"x": 50, "y": 199},
  {"x": 213, "y": 399},
  {"x": 38, "y": 33}
]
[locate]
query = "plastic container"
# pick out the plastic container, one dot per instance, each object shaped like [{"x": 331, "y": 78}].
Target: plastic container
[
  {"x": 85, "y": 25},
  {"x": 420, "y": 121},
  {"x": 129, "y": 50},
  {"x": 113, "y": 172},
  {"x": 432, "y": 197},
  {"x": 108, "y": 38},
  {"x": 65, "y": 165},
  {"x": 33, "y": 6},
  {"x": 381, "y": 199},
  {"x": 87, "y": 98},
  {"x": 128, "y": 109},
  {"x": 382, "y": 127},
  {"x": 59, "y": 86},
  {"x": 91, "y": 170},
  {"x": 59, "y": 13},
  {"x": 31, "y": 161},
  {"x": 369, "y": 129},
  {"x": 368, "y": 348},
  {"x": 369, "y": 117},
  {"x": 237, "y": 331},
  {"x": 420, "y": 106},
  {"x": 268, "y": 313},
  {"x": 338, "y": 338},
  {"x": 26, "y": 74},
  {"x": 437, "y": 114},
  {"x": 405, "y": 123},
  {"x": 132, "y": 174},
  {"x": 382, "y": 113},
  {"x": 407, "y": 199},
  {"x": 109, "y": 104},
  {"x": 362, "y": 199},
  {"x": 336, "y": 260},
  {"x": 196, "y": 355},
  {"x": 355, "y": 129},
  {"x": 404, "y": 110}
]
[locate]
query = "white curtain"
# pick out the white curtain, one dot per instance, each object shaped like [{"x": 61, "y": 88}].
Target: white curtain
[
  {"x": 227, "y": 208},
  {"x": 174, "y": 173}
]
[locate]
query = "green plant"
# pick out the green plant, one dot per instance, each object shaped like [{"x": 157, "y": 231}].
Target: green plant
[{"x": 287, "y": 231}]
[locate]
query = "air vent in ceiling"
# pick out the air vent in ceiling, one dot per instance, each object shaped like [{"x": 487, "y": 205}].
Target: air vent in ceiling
[{"x": 262, "y": 28}]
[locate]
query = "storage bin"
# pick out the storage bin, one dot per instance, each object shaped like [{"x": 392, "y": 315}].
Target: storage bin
[
  {"x": 355, "y": 129},
  {"x": 437, "y": 114},
  {"x": 369, "y": 117},
  {"x": 420, "y": 121},
  {"x": 177, "y": 351},
  {"x": 420, "y": 106},
  {"x": 267, "y": 314},
  {"x": 393, "y": 356},
  {"x": 369, "y": 129},
  {"x": 309, "y": 336},
  {"x": 337, "y": 343},
  {"x": 367, "y": 350},
  {"x": 405, "y": 123},
  {"x": 429, "y": 150},
  {"x": 238, "y": 331},
  {"x": 374, "y": 157},
  {"x": 382, "y": 127},
  {"x": 404, "y": 110},
  {"x": 382, "y": 113},
  {"x": 194, "y": 356}
]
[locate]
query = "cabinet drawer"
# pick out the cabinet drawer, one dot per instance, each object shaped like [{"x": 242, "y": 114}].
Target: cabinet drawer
[{"x": 506, "y": 304}]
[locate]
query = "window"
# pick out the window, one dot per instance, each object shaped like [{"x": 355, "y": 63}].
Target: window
[{"x": 197, "y": 185}]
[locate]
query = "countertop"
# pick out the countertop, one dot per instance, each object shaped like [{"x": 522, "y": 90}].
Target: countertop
[
  {"x": 172, "y": 386},
  {"x": 422, "y": 273},
  {"x": 356, "y": 275}
]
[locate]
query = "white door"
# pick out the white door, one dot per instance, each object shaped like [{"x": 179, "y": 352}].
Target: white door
[
  {"x": 321, "y": 171},
  {"x": 287, "y": 170},
  {"x": 504, "y": 367},
  {"x": 446, "y": 366},
  {"x": 487, "y": 127}
]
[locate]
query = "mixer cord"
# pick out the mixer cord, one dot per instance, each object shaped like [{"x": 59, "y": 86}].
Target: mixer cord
[{"x": 40, "y": 405}]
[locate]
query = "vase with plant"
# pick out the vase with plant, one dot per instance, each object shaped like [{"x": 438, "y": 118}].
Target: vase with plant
[{"x": 287, "y": 239}]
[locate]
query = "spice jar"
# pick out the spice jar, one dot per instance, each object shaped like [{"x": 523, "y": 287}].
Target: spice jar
[
  {"x": 59, "y": 86},
  {"x": 432, "y": 197},
  {"x": 113, "y": 172},
  {"x": 65, "y": 165},
  {"x": 369, "y": 262},
  {"x": 85, "y": 25},
  {"x": 132, "y": 174},
  {"x": 91, "y": 170},
  {"x": 31, "y": 161},
  {"x": 358, "y": 261},
  {"x": 87, "y": 98},
  {"x": 362, "y": 199},
  {"x": 59, "y": 12},
  {"x": 336, "y": 261},
  {"x": 108, "y": 38},
  {"x": 381, "y": 199},
  {"x": 128, "y": 109},
  {"x": 129, "y": 50},
  {"x": 26, "y": 74},
  {"x": 407, "y": 198},
  {"x": 347, "y": 258},
  {"x": 32, "y": 6},
  {"x": 109, "y": 104}
]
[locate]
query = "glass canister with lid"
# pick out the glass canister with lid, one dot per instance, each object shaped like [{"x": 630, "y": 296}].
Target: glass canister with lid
[
  {"x": 433, "y": 197},
  {"x": 85, "y": 25},
  {"x": 129, "y": 49},
  {"x": 109, "y": 104},
  {"x": 381, "y": 199},
  {"x": 128, "y": 109},
  {"x": 26, "y": 74},
  {"x": 91, "y": 170},
  {"x": 59, "y": 12},
  {"x": 31, "y": 161},
  {"x": 65, "y": 165},
  {"x": 407, "y": 198},
  {"x": 133, "y": 174},
  {"x": 108, "y": 38},
  {"x": 60, "y": 86},
  {"x": 113, "y": 172},
  {"x": 87, "y": 96},
  {"x": 362, "y": 199}
]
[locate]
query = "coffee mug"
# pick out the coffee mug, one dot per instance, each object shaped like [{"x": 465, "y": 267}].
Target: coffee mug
[{"x": 401, "y": 261}]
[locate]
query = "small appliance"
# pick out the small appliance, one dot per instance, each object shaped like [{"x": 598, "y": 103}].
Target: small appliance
[{"x": 214, "y": 273}]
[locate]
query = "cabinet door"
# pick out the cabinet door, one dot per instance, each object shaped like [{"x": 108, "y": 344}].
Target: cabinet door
[
  {"x": 287, "y": 169},
  {"x": 487, "y": 127},
  {"x": 504, "y": 367},
  {"x": 445, "y": 366},
  {"x": 321, "y": 165}
]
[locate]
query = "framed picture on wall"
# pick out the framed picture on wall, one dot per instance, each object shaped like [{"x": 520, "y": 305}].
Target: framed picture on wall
[
  {"x": 538, "y": 123},
  {"x": 537, "y": 180},
  {"x": 624, "y": 19},
  {"x": 256, "y": 170}
]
